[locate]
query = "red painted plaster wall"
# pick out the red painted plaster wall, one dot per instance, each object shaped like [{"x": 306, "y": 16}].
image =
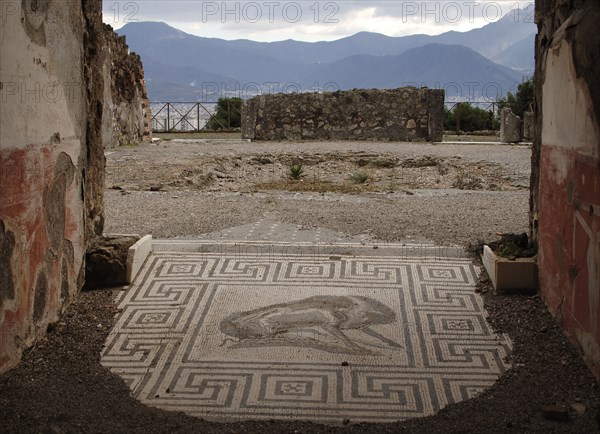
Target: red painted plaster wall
[
  {"x": 567, "y": 197},
  {"x": 569, "y": 238}
]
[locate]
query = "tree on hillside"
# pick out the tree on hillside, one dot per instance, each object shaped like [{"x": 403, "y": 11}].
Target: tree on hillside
[
  {"x": 227, "y": 116},
  {"x": 521, "y": 101}
]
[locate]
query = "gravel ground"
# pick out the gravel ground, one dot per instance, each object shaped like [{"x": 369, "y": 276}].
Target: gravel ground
[
  {"x": 443, "y": 215},
  {"x": 516, "y": 158},
  {"x": 445, "y": 219},
  {"x": 61, "y": 387}
]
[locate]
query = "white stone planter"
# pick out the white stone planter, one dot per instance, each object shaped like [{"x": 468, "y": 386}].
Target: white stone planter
[
  {"x": 510, "y": 274},
  {"x": 136, "y": 256}
]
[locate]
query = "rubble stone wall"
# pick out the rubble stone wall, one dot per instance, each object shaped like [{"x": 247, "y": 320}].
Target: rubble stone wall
[
  {"x": 126, "y": 105},
  {"x": 404, "y": 114}
]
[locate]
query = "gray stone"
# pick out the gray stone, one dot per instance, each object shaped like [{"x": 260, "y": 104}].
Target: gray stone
[
  {"x": 403, "y": 114},
  {"x": 510, "y": 126},
  {"x": 127, "y": 114}
]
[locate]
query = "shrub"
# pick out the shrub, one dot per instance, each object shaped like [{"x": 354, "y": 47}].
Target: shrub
[
  {"x": 295, "y": 171},
  {"x": 521, "y": 101},
  {"x": 227, "y": 116},
  {"x": 471, "y": 118},
  {"x": 359, "y": 177}
]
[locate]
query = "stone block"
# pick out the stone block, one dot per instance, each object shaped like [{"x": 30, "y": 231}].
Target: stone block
[
  {"x": 136, "y": 256},
  {"x": 106, "y": 261},
  {"x": 510, "y": 126}
]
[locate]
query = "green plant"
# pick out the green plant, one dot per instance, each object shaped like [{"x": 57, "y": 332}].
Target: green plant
[
  {"x": 295, "y": 171},
  {"x": 227, "y": 116},
  {"x": 514, "y": 246},
  {"x": 521, "y": 101},
  {"x": 470, "y": 118},
  {"x": 359, "y": 177}
]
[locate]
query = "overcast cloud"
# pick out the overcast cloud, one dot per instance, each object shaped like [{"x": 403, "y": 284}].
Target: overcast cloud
[{"x": 273, "y": 20}]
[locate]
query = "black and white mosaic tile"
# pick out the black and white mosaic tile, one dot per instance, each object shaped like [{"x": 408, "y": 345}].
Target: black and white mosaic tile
[{"x": 318, "y": 338}]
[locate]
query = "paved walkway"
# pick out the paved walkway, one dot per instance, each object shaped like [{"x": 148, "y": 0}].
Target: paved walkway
[{"x": 324, "y": 328}]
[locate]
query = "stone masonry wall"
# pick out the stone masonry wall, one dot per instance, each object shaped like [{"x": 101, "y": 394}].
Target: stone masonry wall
[
  {"x": 565, "y": 187},
  {"x": 404, "y": 114},
  {"x": 126, "y": 105},
  {"x": 52, "y": 130}
]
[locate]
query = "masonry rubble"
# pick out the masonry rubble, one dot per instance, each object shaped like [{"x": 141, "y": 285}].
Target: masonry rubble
[
  {"x": 127, "y": 113},
  {"x": 403, "y": 114}
]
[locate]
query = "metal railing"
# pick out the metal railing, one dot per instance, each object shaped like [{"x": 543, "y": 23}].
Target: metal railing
[
  {"x": 196, "y": 117},
  {"x": 170, "y": 117},
  {"x": 455, "y": 106},
  {"x": 492, "y": 107}
]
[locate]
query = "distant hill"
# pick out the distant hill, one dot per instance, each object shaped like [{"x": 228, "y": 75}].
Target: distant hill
[
  {"x": 166, "y": 45},
  {"x": 493, "y": 38},
  {"x": 519, "y": 56},
  {"x": 179, "y": 83},
  {"x": 178, "y": 65},
  {"x": 459, "y": 70}
]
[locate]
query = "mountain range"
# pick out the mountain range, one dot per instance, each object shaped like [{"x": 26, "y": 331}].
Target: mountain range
[{"x": 484, "y": 62}]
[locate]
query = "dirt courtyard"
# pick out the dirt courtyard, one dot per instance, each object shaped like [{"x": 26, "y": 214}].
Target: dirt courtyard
[{"x": 448, "y": 194}]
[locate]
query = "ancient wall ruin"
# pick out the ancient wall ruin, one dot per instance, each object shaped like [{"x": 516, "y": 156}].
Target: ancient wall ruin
[
  {"x": 404, "y": 114},
  {"x": 127, "y": 114},
  {"x": 52, "y": 129},
  {"x": 565, "y": 196}
]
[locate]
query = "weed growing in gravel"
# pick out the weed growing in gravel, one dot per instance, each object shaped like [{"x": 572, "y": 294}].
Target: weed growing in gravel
[
  {"x": 359, "y": 177},
  {"x": 295, "y": 171}
]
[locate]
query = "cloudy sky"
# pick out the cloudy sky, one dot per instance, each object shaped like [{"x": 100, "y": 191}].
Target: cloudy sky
[{"x": 274, "y": 20}]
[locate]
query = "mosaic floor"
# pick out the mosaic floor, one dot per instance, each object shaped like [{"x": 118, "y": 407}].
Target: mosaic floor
[{"x": 324, "y": 338}]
